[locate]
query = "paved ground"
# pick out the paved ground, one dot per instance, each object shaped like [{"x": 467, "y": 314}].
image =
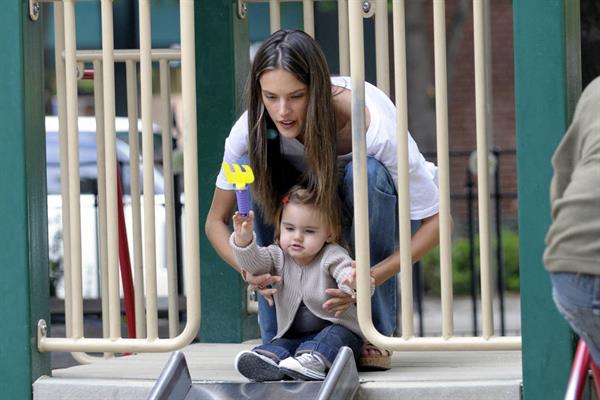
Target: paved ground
[{"x": 424, "y": 375}]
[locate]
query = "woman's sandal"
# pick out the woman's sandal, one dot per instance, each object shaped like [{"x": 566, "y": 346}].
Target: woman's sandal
[{"x": 380, "y": 361}]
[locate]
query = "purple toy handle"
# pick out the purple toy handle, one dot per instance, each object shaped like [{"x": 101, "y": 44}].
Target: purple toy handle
[{"x": 243, "y": 201}]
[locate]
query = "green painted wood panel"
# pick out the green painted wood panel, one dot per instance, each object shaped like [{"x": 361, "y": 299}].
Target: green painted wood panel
[
  {"x": 222, "y": 67},
  {"x": 23, "y": 227},
  {"x": 545, "y": 80}
]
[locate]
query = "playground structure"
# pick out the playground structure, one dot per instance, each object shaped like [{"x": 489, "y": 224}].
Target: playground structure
[{"x": 34, "y": 248}]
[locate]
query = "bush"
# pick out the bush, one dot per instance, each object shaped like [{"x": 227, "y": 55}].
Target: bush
[{"x": 461, "y": 265}]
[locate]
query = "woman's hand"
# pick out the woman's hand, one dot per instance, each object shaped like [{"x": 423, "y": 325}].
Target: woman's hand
[
  {"x": 339, "y": 301},
  {"x": 262, "y": 284},
  {"x": 242, "y": 226}
]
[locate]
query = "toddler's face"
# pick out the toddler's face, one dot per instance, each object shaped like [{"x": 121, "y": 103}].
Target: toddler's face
[{"x": 303, "y": 232}]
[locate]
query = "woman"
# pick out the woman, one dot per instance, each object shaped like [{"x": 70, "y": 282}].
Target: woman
[{"x": 298, "y": 129}]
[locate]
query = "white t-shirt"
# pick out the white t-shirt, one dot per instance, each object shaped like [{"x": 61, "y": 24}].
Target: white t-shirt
[{"x": 380, "y": 142}]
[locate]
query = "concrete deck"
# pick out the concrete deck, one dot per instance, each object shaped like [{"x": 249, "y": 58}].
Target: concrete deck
[{"x": 487, "y": 375}]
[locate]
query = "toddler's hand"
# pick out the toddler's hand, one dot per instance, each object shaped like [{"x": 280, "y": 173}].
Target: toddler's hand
[
  {"x": 351, "y": 282},
  {"x": 243, "y": 229}
]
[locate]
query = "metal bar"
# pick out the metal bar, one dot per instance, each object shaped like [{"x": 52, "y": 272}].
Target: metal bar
[
  {"x": 359, "y": 170},
  {"x": 134, "y": 186},
  {"x": 343, "y": 33},
  {"x": 73, "y": 154},
  {"x": 406, "y": 279},
  {"x": 59, "y": 48},
  {"x": 192, "y": 256},
  {"x": 122, "y": 55},
  {"x": 102, "y": 205},
  {"x": 482, "y": 169},
  {"x": 108, "y": 70},
  {"x": 441, "y": 112},
  {"x": 167, "y": 143},
  {"x": 190, "y": 165},
  {"x": 275, "y": 15},
  {"x": 308, "y": 11},
  {"x": 382, "y": 57},
  {"x": 148, "y": 168},
  {"x": 163, "y": 345}
]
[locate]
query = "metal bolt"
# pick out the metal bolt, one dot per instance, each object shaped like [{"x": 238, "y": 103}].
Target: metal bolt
[
  {"x": 366, "y": 6},
  {"x": 34, "y": 10},
  {"x": 242, "y": 9},
  {"x": 43, "y": 327}
]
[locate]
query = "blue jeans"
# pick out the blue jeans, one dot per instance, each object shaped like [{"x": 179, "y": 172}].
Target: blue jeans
[
  {"x": 577, "y": 297},
  {"x": 326, "y": 342},
  {"x": 383, "y": 230}
]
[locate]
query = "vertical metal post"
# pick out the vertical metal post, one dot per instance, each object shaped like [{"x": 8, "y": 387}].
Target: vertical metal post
[
  {"x": 308, "y": 12},
  {"x": 275, "y": 15},
  {"x": 148, "y": 168},
  {"x": 406, "y": 278},
  {"x": 73, "y": 176},
  {"x": 441, "y": 111},
  {"x": 382, "y": 57},
  {"x": 108, "y": 72},
  {"x": 167, "y": 142},
  {"x": 343, "y": 37},
  {"x": 481, "y": 95}
]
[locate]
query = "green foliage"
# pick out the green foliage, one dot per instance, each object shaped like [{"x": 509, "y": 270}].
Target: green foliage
[{"x": 461, "y": 264}]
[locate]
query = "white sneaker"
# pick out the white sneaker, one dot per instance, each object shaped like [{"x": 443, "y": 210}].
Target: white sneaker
[
  {"x": 257, "y": 367},
  {"x": 306, "y": 367}
]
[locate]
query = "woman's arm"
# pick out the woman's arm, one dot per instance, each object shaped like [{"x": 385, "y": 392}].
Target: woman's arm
[{"x": 424, "y": 239}]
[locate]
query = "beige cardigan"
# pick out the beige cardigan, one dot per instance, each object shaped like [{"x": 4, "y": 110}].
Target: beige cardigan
[{"x": 301, "y": 283}]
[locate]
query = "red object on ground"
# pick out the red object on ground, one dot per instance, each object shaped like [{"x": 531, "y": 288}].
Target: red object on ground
[{"x": 125, "y": 264}]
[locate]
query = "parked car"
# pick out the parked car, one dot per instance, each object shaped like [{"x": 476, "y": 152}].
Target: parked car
[
  {"x": 87, "y": 155},
  {"x": 88, "y": 203}
]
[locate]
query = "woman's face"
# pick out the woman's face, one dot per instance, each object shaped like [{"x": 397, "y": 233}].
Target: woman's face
[
  {"x": 286, "y": 101},
  {"x": 303, "y": 232}
]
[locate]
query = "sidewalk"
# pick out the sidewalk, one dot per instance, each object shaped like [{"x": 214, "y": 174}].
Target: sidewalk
[{"x": 423, "y": 375}]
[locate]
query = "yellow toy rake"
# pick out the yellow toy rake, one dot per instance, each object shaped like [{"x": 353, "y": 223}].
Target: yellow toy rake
[{"x": 240, "y": 177}]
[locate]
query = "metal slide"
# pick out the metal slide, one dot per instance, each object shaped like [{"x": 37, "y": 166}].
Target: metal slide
[{"x": 175, "y": 383}]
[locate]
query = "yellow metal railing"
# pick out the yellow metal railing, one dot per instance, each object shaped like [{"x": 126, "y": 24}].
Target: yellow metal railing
[
  {"x": 351, "y": 14},
  {"x": 69, "y": 59},
  {"x": 351, "y": 55}
]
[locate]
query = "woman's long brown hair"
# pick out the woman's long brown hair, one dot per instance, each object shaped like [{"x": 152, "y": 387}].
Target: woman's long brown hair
[{"x": 299, "y": 54}]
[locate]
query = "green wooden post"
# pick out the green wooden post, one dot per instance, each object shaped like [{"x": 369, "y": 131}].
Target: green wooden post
[
  {"x": 546, "y": 37},
  {"x": 23, "y": 230},
  {"x": 222, "y": 67}
]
